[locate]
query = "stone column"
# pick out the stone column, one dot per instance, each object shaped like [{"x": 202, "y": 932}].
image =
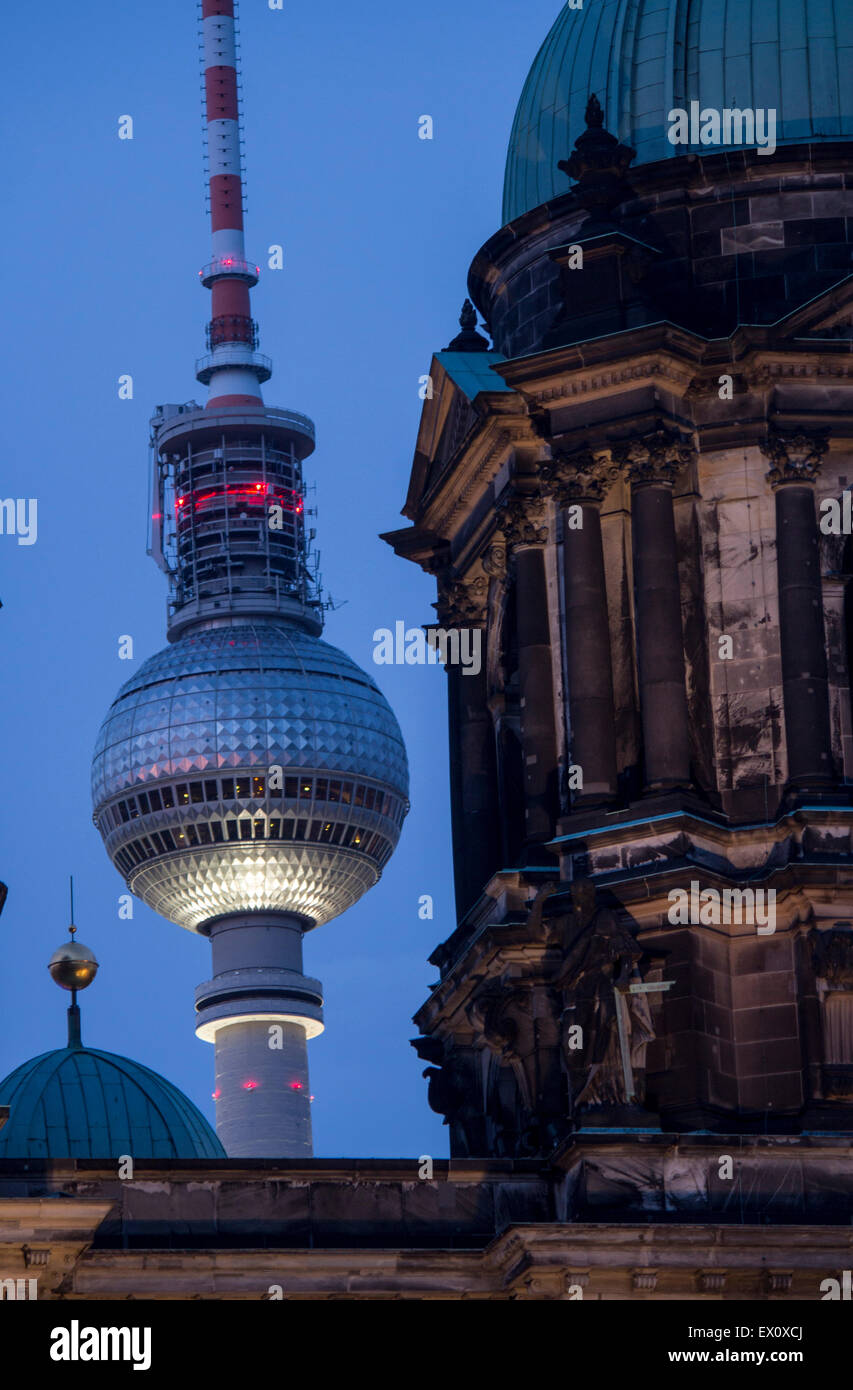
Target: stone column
[
  {"x": 579, "y": 483},
  {"x": 805, "y": 687},
  {"x": 521, "y": 520},
  {"x": 651, "y": 465},
  {"x": 473, "y": 761}
]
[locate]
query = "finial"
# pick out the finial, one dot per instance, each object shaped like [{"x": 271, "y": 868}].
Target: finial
[
  {"x": 468, "y": 317},
  {"x": 72, "y": 967},
  {"x": 469, "y": 340},
  {"x": 598, "y": 164},
  {"x": 594, "y": 115}
]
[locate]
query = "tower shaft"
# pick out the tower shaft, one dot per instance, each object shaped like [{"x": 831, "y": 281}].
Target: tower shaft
[{"x": 260, "y": 1010}]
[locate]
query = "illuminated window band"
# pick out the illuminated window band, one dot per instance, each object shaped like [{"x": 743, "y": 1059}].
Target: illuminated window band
[
  {"x": 233, "y": 830},
  {"x": 310, "y": 820}
]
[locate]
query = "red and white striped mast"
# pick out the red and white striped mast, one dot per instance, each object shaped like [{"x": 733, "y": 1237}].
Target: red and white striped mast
[{"x": 233, "y": 371}]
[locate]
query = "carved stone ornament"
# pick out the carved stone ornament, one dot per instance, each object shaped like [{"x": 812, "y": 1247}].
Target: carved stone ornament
[
  {"x": 580, "y": 476},
  {"x": 521, "y": 520},
  {"x": 494, "y": 560},
  {"x": 656, "y": 457},
  {"x": 832, "y": 956},
  {"x": 599, "y": 164},
  {"x": 491, "y": 1012},
  {"x": 462, "y": 604},
  {"x": 795, "y": 457}
]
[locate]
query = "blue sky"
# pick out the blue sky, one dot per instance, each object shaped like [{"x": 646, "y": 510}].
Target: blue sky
[{"x": 103, "y": 242}]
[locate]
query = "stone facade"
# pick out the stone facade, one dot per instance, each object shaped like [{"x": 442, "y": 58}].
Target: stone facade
[
  {"x": 666, "y": 709},
  {"x": 602, "y": 1220}
]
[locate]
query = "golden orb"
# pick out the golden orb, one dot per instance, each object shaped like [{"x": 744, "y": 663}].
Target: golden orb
[{"x": 73, "y": 966}]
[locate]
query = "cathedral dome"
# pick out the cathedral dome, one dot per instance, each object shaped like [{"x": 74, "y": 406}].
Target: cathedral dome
[
  {"x": 79, "y": 1102},
  {"x": 644, "y": 58}
]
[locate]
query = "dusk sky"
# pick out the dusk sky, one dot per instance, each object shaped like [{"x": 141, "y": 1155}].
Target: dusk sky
[{"x": 99, "y": 278}]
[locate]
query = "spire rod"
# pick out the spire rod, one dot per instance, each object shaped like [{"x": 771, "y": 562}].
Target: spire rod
[{"x": 232, "y": 370}]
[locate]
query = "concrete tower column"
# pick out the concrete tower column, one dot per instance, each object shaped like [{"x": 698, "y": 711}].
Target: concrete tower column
[
  {"x": 652, "y": 464},
  {"x": 580, "y": 482},
  {"x": 805, "y": 687},
  {"x": 521, "y": 521},
  {"x": 473, "y": 760},
  {"x": 260, "y": 1010}
]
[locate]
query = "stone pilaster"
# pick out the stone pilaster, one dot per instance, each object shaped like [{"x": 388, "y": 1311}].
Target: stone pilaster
[
  {"x": 651, "y": 465},
  {"x": 474, "y": 801},
  {"x": 579, "y": 482},
  {"x": 795, "y": 460},
  {"x": 521, "y": 520}
]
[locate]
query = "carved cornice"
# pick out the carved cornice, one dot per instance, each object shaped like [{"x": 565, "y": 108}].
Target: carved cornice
[
  {"x": 583, "y": 382},
  {"x": 707, "y": 388},
  {"x": 521, "y": 520},
  {"x": 483, "y": 459},
  {"x": 578, "y": 476},
  {"x": 657, "y": 457},
  {"x": 795, "y": 457},
  {"x": 462, "y": 603}
]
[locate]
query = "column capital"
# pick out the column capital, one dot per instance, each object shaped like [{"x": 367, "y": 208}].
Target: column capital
[
  {"x": 655, "y": 458},
  {"x": 522, "y": 520},
  {"x": 462, "y": 603},
  {"x": 579, "y": 476},
  {"x": 494, "y": 558},
  {"x": 795, "y": 456}
]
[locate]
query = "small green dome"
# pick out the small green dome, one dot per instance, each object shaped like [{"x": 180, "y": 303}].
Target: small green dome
[
  {"x": 78, "y": 1102},
  {"x": 644, "y": 58}
]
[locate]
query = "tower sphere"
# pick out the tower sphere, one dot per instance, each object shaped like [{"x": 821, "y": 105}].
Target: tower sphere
[{"x": 250, "y": 768}]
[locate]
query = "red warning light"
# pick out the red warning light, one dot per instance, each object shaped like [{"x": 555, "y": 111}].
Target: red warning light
[
  {"x": 216, "y": 1094},
  {"x": 296, "y": 1085},
  {"x": 251, "y": 1085}
]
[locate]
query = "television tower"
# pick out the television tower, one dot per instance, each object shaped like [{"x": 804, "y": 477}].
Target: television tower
[{"x": 250, "y": 781}]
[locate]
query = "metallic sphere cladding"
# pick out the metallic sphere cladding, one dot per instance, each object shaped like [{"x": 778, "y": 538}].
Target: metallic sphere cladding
[{"x": 187, "y": 791}]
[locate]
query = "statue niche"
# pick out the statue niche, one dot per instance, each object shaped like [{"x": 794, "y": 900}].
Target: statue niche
[
  {"x": 606, "y": 1021},
  {"x": 832, "y": 961}
]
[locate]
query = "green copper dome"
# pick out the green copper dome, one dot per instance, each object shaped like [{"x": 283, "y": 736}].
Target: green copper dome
[
  {"x": 644, "y": 58},
  {"x": 78, "y": 1102}
]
